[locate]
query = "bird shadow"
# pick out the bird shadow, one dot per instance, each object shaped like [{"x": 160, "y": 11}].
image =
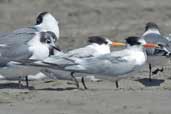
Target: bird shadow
[
  {"x": 57, "y": 89},
  {"x": 154, "y": 82},
  {"x": 17, "y": 86},
  {"x": 14, "y": 86}
]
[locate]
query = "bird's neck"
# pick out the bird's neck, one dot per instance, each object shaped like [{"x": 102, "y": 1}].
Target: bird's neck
[
  {"x": 103, "y": 48},
  {"x": 35, "y": 40},
  {"x": 135, "y": 47},
  {"x": 154, "y": 31},
  {"x": 137, "y": 54}
]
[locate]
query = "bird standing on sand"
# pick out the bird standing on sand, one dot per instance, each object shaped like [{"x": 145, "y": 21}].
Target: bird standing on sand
[
  {"x": 98, "y": 46},
  {"x": 114, "y": 64},
  {"x": 156, "y": 56},
  {"x": 46, "y": 27}
]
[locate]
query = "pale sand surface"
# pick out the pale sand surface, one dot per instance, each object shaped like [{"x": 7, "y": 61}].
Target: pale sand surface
[
  {"x": 79, "y": 19},
  {"x": 58, "y": 97}
]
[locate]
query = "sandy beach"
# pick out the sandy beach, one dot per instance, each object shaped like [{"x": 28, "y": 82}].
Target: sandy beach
[{"x": 79, "y": 19}]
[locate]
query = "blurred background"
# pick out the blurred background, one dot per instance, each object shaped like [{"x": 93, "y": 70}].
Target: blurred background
[{"x": 79, "y": 19}]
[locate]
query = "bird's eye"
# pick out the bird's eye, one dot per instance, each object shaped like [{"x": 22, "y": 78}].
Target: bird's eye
[
  {"x": 48, "y": 41},
  {"x": 161, "y": 45}
]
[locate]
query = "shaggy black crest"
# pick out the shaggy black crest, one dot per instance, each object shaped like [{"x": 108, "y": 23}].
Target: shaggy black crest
[
  {"x": 133, "y": 40},
  {"x": 97, "y": 39},
  {"x": 39, "y": 18},
  {"x": 151, "y": 25}
]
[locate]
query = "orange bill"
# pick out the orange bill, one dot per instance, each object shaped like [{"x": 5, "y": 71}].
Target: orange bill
[
  {"x": 118, "y": 44},
  {"x": 151, "y": 45}
]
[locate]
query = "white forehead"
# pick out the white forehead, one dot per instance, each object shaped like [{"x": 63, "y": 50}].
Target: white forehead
[
  {"x": 142, "y": 41},
  {"x": 108, "y": 41}
]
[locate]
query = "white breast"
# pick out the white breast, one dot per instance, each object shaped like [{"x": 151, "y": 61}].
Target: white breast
[
  {"x": 40, "y": 50},
  {"x": 139, "y": 57}
]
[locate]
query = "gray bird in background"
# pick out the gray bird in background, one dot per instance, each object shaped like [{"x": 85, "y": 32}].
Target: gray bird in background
[
  {"x": 156, "y": 56},
  {"x": 25, "y": 47},
  {"x": 45, "y": 22}
]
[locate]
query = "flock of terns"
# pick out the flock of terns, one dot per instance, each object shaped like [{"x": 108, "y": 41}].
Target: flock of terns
[{"x": 36, "y": 46}]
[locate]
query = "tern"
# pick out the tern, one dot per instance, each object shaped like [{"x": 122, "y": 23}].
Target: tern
[
  {"x": 23, "y": 47},
  {"x": 45, "y": 22},
  {"x": 156, "y": 56},
  {"x": 114, "y": 64},
  {"x": 98, "y": 46}
]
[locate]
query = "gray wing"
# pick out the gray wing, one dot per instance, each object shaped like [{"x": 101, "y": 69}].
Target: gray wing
[
  {"x": 66, "y": 59},
  {"x": 157, "y": 39},
  {"x": 14, "y": 53},
  {"x": 16, "y": 38},
  {"x": 81, "y": 52},
  {"x": 168, "y": 37},
  {"x": 85, "y": 52},
  {"x": 110, "y": 64},
  {"x": 2, "y": 34},
  {"x": 103, "y": 65},
  {"x": 14, "y": 47},
  {"x": 27, "y": 30}
]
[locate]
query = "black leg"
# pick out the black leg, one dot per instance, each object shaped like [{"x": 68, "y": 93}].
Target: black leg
[
  {"x": 150, "y": 72},
  {"x": 19, "y": 82},
  {"x": 117, "y": 85},
  {"x": 76, "y": 81},
  {"x": 158, "y": 70},
  {"x": 83, "y": 82},
  {"x": 162, "y": 69},
  {"x": 27, "y": 82}
]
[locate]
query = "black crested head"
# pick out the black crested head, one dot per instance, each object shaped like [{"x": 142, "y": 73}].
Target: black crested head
[
  {"x": 133, "y": 40},
  {"x": 39, "y": 18},
  {"x": 97, "y": 39},
  {"x": 151, "y": 25}
]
